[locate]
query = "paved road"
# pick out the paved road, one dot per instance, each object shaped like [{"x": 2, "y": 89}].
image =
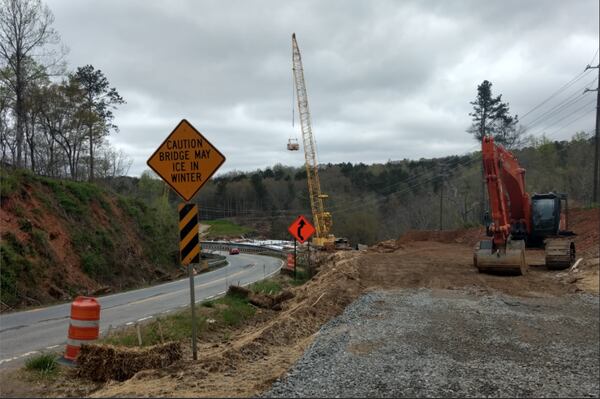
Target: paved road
[{"x": 25, "y": 333}]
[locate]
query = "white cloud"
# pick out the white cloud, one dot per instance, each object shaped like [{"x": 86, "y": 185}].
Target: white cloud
[{"x": 386, "y": 79}]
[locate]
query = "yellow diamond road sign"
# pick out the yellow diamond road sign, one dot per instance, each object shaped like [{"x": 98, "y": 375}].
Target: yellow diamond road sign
[{"x": 186, "y": 160}]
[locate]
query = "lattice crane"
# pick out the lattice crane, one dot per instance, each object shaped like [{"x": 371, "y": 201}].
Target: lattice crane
[{"x": 321, "y": 218}]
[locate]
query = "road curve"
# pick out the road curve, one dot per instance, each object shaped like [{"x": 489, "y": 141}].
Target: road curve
[{"x": 28, "y": 332}]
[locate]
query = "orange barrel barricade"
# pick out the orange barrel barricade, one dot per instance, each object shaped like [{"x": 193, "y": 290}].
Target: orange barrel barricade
[{"x": 84, "y": 326}]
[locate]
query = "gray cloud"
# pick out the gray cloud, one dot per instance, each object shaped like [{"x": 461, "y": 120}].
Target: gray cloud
[{"x": 386, "y": 80}]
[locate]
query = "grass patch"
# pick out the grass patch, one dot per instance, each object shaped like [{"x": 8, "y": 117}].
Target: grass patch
[
  {"x": 220, "y": 228},
  {"x": 9, "y": 183},
  {"x": 96, "y": 250},
  {"x": 236, "y": 311},
  {"x": 266, "y": 287},
  {"x": 84, "y": 192},
  {"x": 15, "y": 266},
  {"x": 68, "y": 202},
  {"x": 174, "y": 327},
  {"x": 227, "y": 312},
  {"x": 44, "y": 364}
]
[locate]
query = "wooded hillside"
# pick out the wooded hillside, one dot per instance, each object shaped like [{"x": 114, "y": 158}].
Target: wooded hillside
[{"x": 370, "y": 203}]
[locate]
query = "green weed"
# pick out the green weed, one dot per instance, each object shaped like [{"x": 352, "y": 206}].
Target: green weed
[
  {"x": 44, "y": 364},
  {"x": 266, "y": 287}
]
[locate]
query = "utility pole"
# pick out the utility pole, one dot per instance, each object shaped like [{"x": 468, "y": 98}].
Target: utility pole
[
  {"x": 442, "y": 176},
  {"x": 442, "y": 206},
  {"x": 597, "y": 136}
]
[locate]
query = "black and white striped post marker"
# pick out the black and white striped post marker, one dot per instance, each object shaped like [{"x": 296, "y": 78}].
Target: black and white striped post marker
[{"x": 189, "y": 242}]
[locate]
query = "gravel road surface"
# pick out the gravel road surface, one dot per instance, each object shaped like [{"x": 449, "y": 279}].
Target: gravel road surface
[{"x": 448, "y": 343}]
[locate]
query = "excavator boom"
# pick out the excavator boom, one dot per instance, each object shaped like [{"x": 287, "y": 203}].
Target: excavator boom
[{"x": 509, "y": 206}]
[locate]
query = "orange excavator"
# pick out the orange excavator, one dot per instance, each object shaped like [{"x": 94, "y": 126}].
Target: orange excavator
[{"x": 519, "y": 220}]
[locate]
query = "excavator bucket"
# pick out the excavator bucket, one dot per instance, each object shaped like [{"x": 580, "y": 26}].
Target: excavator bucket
[
  {"x": 510, "y": 260},
  {"x": 560, "y": 253}
]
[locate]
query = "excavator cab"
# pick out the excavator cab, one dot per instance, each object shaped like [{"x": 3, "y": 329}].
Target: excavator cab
[
  {"x": 550, "y": 229},
  {"x": 545, "y": 214}
]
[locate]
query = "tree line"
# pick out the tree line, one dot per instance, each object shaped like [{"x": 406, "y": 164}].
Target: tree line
[
  {"x": 52, "y": 121},
  {"x": 370, "y": 203}
]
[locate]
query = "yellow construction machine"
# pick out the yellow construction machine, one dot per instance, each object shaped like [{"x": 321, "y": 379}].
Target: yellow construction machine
[{"x": 321, "y": 218}]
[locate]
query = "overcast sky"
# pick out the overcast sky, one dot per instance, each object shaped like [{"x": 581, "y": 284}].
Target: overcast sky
[{"x": 385, "y": 79}]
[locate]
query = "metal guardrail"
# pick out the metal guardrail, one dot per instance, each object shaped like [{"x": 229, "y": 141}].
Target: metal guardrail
[{"x": 246, "y": 248}]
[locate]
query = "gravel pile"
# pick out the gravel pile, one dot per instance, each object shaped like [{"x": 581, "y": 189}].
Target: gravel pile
[{"x": 451, "y": 343}]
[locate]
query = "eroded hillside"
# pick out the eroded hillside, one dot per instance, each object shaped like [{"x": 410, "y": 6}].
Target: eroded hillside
[{"x": 62, "y": 238}]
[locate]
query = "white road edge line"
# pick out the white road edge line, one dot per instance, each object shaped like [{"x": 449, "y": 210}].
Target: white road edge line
[
  {"x": 18, "y": 357},
  {"x": 143, "y": 318}
]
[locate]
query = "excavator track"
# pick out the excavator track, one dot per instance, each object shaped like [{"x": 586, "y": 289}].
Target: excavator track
[
  {"x": 509, "y": 260},
  {"x": 560, "y": 253}
]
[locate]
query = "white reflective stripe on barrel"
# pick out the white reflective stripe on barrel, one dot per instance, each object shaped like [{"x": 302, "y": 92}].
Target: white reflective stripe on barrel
[
  {"x": 85, "y": 323},
  {"x": 78, "y": 342}
]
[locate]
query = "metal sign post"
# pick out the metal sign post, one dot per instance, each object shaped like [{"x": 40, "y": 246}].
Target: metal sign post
[
  {"x": 186, "y": 160},
  {"x": 189, "y": 252},
  {"x": 295, "y": 259},
  {"x": 193, "y": 307},
  {"x": 308, "y": 261}
]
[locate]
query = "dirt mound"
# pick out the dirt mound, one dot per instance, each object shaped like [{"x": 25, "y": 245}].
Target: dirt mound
[
  {"x": 264, "y": 301},
  {"x": 586, "y": 224},
  {"x": 257, "y": 355},
  {"x": 103, "y": 363},
  {"x": 385, "y": 247},
  {"x": 450, "y": 266},
  {"x": 463, "y": 236}
]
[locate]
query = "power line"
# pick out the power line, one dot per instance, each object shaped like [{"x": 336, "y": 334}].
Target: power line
[
  {"x": 566, "y": 116},
  {"x": 575, "y": 97},
  {"x": 560, "y": 90},
  {"x": 571, "y": 122}
]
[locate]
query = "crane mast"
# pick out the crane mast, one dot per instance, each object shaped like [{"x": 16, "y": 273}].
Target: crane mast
[{"x": 321, "y": 218}]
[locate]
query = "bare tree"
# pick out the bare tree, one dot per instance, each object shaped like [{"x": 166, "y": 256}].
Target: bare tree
[{"x": 25, "y": 27}]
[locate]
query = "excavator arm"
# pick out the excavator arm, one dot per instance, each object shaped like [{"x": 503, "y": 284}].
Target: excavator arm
[
  {"x": 509, "y": 202},
  {"x": 510, "y": 212}
]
